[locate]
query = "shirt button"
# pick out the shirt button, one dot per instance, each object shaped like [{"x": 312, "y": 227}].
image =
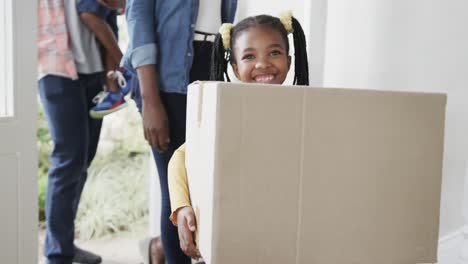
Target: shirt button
[
  {"x": 189, "y": 54},
  {"x": 192, "y": 25}
]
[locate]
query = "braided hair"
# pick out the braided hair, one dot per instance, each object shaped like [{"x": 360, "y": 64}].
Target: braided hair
[{"x": 220, "y": 56}]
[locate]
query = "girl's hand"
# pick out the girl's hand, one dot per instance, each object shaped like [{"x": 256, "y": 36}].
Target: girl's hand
[{"x": 186, "y": 224}]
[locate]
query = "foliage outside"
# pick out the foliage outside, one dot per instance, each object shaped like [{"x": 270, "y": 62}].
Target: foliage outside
[{"x": 115, "y": 197}]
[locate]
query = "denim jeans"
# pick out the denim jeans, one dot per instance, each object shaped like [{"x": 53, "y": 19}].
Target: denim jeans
[
  {"x": 175, "y": 105},
  {"x": 75, "y": 136}
]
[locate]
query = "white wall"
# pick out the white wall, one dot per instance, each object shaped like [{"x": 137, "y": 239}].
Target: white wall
[
  {"x": 412, "y": 45},
  {"x": 258, "y": 7}
]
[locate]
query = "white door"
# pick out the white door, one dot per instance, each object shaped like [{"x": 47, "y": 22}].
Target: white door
[{"x": 18, "y": 121}]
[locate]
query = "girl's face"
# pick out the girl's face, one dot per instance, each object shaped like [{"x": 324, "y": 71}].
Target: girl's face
[{"x": 260, "y": 56}]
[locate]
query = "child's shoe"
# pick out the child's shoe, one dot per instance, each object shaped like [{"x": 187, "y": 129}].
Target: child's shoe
[
  {"x": 126, "y": 80},
  {"x": 107, "y": 102}
]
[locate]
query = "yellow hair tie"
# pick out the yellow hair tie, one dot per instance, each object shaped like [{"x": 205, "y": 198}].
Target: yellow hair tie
[
  {"x": 225, "y": 31},
  {"x": 286, "y": 19}
]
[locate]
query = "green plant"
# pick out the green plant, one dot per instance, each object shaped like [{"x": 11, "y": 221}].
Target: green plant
[
  {"x": 115, "y": 197},
  {"x": 44, "y": 146},
  {"x": 42, "y": 186}
]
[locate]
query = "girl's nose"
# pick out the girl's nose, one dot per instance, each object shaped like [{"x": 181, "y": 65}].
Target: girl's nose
[{"x": 262, "y": 63}]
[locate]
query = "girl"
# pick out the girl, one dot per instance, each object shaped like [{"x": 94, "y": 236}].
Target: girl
[
  {"x": 260, "y": 42},
  {"x": 258, "y": 50}
]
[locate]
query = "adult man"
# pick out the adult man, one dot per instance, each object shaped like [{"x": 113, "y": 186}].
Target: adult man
[{"x": 70, "y": 76}]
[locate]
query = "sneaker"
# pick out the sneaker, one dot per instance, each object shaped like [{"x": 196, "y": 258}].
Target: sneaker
[
  {"x": 126, "y": 80},
  {"x": 107, "y": 102}
]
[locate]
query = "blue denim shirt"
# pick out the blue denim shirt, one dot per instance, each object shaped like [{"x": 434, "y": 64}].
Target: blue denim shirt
[{"x": 161, "y": 33}]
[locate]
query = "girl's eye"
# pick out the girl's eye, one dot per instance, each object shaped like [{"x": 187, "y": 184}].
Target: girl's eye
[
  {"x": 275, "y": 53},
  {"x": 248, "y": 57}
]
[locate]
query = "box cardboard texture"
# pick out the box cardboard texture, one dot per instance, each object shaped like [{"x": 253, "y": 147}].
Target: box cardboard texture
[{"x": 292, "y": 174}]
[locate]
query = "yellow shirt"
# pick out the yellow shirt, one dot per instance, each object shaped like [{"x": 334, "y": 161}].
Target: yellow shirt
[{"x": 178, "y": 184}]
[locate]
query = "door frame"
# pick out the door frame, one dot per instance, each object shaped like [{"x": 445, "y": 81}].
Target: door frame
[{"x": 18, "y": 133}]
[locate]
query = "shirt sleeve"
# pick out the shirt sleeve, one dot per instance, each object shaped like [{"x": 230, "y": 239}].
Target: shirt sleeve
[
  {"x": 178, "y": 184},
  {"x": 142, "y": 33}
]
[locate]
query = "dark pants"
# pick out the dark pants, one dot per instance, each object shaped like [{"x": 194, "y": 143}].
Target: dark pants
[
  {"x": 75, "y": 136},
  {"x": 176, "y": 105}
]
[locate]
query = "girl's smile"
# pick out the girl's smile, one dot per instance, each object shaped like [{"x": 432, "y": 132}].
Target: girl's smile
[{"x": 261, "y": 56}]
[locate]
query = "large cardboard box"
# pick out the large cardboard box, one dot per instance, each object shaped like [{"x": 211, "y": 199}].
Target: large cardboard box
[{"x": 289, "y": 174}]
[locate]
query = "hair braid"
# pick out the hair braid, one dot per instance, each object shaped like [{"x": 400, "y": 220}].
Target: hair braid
[
  {"x": 301, "y": 66},
  {"x": 219, "y": 60}
]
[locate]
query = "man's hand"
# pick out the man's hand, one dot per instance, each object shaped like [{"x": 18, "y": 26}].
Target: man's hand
[
  {"x": 186, "y": 227},
  {"x": 113, "y": 4}
]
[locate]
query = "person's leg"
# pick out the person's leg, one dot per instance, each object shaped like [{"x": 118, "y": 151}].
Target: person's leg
[
  {"x": 156, "y": 251},
  {"x": 65, "y": 108},
  {"x": 92, "y": 85},
  {"x": 175, "y": 105},
  {"x": 176, "y": 110}
]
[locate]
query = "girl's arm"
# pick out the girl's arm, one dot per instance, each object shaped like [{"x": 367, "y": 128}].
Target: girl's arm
[
  {"x": 177, "y": 182},
  {"x": 182, "y": 212},
  {"x": 186, "y": 228},
  {"x": 113, "y": 4}
]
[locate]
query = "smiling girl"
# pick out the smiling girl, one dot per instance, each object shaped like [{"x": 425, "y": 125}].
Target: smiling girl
[{"x": 258, "y": 51}]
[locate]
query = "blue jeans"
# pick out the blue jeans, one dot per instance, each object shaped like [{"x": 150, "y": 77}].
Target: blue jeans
[
  {"x": 176, "y": 105},
  {"x": 75, "y": 136}
]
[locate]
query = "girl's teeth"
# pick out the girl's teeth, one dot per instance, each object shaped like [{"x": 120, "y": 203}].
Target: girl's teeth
[{"x": 264, "y": 78}]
